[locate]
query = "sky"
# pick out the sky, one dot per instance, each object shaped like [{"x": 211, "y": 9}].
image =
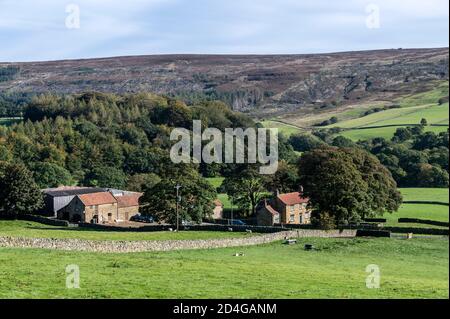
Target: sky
[{"x": 42, "y": 30}]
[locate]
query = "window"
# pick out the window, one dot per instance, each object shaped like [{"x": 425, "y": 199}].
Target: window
[
  {"x": 292, "y": 208},
  {"x": 292, "y": 218},
  {"x": 301, "y": 219}
]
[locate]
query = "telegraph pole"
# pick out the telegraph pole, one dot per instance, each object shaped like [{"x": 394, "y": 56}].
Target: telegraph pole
[
  {"x": 231, "y": 211},
  {"x": 178, "y": 200}
]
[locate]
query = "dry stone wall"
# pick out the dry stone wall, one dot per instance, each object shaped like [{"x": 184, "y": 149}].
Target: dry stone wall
[{"x": 167, "y": 245}]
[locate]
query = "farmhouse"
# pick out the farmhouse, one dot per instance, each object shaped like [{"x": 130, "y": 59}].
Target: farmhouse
[
  {"x": 90, "y": 204},
  {"x": 92, "y": 208},
  {"x": 284, "y": 209},
  {"x": 57, "y": 198}
]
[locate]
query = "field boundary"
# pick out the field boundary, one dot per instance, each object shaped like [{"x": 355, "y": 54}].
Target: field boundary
[
  {"x": 425, "y": 202},
  {"x": 423, "y": 221},
  {"x": 109, "y": 246}
]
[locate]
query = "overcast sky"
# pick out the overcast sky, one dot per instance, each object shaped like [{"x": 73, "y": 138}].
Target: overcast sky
[{"x": 49, "y": 29}]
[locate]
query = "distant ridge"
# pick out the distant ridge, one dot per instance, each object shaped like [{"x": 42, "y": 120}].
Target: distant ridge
[{"x": 253, "y": 83}]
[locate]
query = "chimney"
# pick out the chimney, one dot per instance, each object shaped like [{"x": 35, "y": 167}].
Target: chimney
[{"x": 301, "y": 189}]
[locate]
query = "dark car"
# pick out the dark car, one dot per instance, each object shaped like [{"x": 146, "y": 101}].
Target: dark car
[
  {"x": 143, "y": 219},
  {"x": 238, "y": 222}
]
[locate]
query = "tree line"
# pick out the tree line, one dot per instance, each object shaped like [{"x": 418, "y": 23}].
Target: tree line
[
  {"x": 123, "y": 141},
  {"x": 415, "y": 157}
]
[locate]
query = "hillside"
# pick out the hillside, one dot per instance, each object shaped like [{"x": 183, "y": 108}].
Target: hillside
[
  {"x": 262, "y": 85},
  {"x": 366, "y": 120}
]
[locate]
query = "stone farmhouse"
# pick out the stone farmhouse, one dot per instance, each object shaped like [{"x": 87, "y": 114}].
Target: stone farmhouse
[
  {"x": 287, "y": 209},
  {"x": 91, "y": 205}
]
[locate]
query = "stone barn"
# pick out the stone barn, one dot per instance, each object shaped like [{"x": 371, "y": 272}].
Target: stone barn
[
  {"x": 97, "y": 208},
  {"x": 128, "y": 206}
]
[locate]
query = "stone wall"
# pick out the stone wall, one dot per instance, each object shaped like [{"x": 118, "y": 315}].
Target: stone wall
[{"x": 143, "y": 246}]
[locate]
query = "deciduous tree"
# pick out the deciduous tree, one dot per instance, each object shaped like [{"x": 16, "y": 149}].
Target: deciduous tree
[{"x": 19, "y": 194}]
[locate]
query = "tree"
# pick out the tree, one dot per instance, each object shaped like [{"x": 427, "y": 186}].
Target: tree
[
  {"x": 305, "y": 142},
  {"x": 284, "y": 180},
  {"x": 49, "y": 175},
  {"x": 246, "y": 188},
  {"x": 431, "y": 176},
  {"x": 5, "y": 154},
  {"x": 141, "y": 182},
  {"x": 19, "y": 194},
  {"x": 341, "y": 141},
  {"x": 402, "y": 134},
  {"x": 104, "y": 176},
  {"x": 196, "y": 195},
  {"x": 348, "y": 184},
  {"x": 423, "y": 122}
]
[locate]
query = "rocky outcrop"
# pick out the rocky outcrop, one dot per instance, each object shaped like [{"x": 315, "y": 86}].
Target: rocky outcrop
[{"x": 167, "y": 245}]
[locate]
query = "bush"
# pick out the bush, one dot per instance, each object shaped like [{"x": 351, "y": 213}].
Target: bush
[
  {"x": 443, "y": 100},
  {"x": 305, "y": 142},
  {"x": 331, "y": 121},
  {"x": 324, "y": 221}
]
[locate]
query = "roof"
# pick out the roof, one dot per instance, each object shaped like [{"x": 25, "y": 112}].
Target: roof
[
  {"x": 128, "y": 200},
  {"x": 62, "y": 188},
  {"x": 292, "y": 199},
  {"x": 271, "y": 210},
  {"x": 71, "y": 191},
  {"x": 97, "y": 199}
]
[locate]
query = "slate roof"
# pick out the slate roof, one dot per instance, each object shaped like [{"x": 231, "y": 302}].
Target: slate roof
[{"x": 59, "y": 192}]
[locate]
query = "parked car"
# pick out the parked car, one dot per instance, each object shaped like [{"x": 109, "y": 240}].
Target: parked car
[
  {"x": 186, "y": 223},
  {"x": 238, "y": 222},
  {"x": 143, "y": 219}
]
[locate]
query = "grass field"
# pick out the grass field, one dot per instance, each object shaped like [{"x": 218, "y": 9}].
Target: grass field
[
  {"x": 283, "y": 128},
  {"x": 35, "y": 230},
  {"x": 440, "y": 89},
  {"x": 421, "y": 211},
  {"x": 384, "y": 132},
  {"x": 409, "y": 269},
  {"x": 435, "y": 114},
  {"x": 425, "y": 194},
  {"x": 413, "y": 108},
  {"x": 216, "y": 182}
]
